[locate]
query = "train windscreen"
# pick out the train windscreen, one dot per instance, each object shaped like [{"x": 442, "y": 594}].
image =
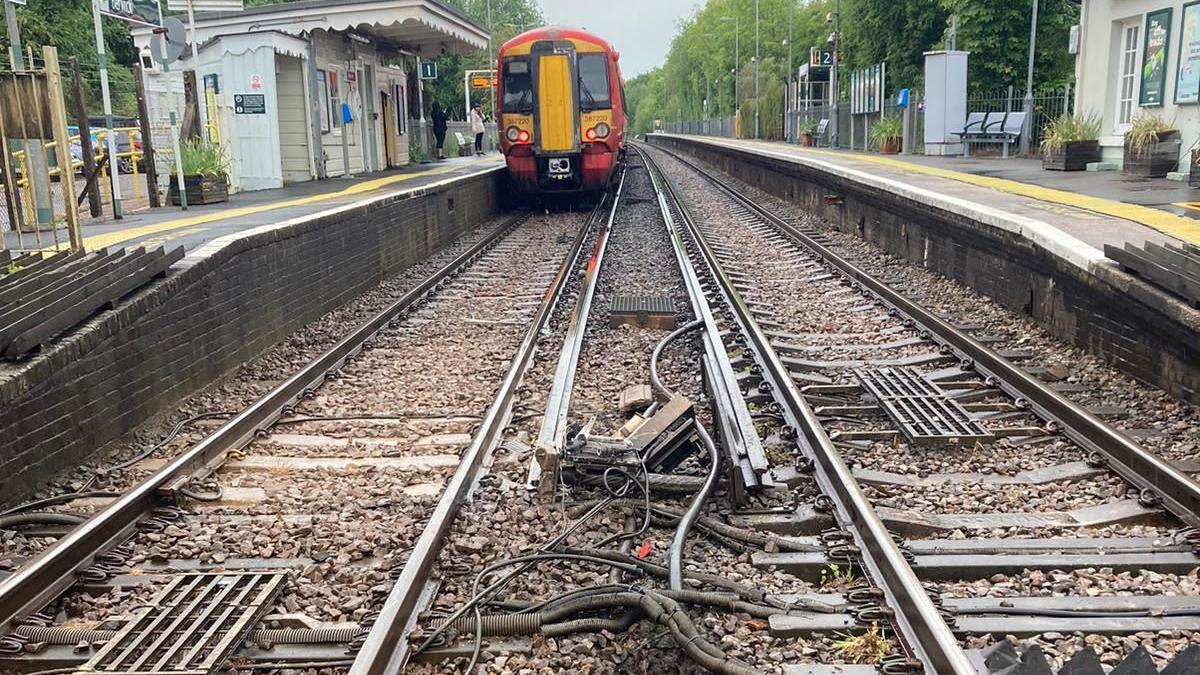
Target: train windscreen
[
  {"x": 518, "y": 87},
  {"x": 594, "y": 92}
]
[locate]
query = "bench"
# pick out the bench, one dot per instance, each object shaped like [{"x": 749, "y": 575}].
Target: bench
[{"x": 1004, "y": 128}]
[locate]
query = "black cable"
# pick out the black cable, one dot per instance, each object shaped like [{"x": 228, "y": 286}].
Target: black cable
[
  {"x": 655, "y": 382},
  {"x": 675, "y": 552}
]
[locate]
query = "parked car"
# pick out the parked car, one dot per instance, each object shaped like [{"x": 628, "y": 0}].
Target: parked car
[{"x": 126, "y": 140}]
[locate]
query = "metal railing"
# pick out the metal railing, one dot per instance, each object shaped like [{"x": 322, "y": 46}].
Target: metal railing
[{"x": 1048, "y": 104}]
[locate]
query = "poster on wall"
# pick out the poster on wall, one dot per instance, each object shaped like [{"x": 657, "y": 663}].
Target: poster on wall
[
  {"x": 1187, "y": 83},
  {"x": 1154, "y": 57}
]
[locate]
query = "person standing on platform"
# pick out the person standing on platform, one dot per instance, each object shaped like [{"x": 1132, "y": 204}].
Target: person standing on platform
[
  {"x": 477, "y": 127},
  {"x": 439, "y": 128}
]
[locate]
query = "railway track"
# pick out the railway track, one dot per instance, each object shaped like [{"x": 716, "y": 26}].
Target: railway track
[
  {"x": 681, "y": 434},
  {"x": 299, "y": 509},
  {"x": 949, "y": 466}
]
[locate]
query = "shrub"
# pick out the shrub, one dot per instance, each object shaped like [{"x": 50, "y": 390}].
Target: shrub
[{"x": 1067, "y": 128}]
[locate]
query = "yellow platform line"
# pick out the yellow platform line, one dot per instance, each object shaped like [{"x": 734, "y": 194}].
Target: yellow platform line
[
  {"x": 99, "y": 241},
  {"x": 1182, "y": 227}
]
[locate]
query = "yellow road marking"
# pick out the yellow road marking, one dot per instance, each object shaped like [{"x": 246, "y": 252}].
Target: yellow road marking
[
  {"x": 1195, "y": 206},
  {"x": 1183, "y": 227},
  {"x": 110, "y": 238}
]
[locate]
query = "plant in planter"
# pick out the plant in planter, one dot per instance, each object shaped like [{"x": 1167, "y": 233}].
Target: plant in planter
[
  {"x": 886, "y": 134},
  {"x": 1071, "y": 142},
  {"x": 808, "y": 127},
  {"x": 204, "y": 173},
  {"x": 1151, "y": 147}
]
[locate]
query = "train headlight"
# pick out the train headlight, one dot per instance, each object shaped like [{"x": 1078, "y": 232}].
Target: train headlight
[
  {"x": 601, "y": 130},
  {"x": 513, "y": 134},
  {"x": 523, "y": 136}
]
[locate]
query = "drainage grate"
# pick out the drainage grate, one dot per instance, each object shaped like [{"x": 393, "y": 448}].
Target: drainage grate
[
  {"x": 651, "y": 311},
  {"x": 925, "y": 414},
  {"x": 189, "y": 628}
]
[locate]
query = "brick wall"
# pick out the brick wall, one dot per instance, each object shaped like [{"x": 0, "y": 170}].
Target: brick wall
[
  {"x": 1137, "y": 328},
  {"x": 223, "y": 309}
]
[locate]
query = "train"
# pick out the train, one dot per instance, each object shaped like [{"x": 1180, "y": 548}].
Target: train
[{"x": 561, "y": 103}]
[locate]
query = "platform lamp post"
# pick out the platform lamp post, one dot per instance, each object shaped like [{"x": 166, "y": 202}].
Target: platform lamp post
[
  {"x": 757, "y": 69},
  {"x": 835, "y": 92},
  {"x": 790, "y": 96},
  {"x": 1028, "y": 123},
  {"x": 737, "y": 58}
]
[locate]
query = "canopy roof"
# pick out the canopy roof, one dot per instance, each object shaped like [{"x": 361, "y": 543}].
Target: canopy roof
[{"x": 425, "y": 27}]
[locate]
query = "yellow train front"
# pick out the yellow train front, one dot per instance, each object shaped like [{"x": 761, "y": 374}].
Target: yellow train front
[{"x": 562, "y": 111}]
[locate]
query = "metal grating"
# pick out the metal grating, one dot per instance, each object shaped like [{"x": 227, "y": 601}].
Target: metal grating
[
  {"x": 653, "y": 311},
  {"x": 925, "y": 414},
  {"x": 189, "y": 628}
]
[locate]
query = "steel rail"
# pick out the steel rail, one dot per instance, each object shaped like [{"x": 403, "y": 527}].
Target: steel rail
[
  {"x": 554, "y": 423},
  {"x": 731, "y": 415},
  {"x": 1178, "y": 492},
  {"x": 385, "y": 648},
  {"x": 54, "y": 571},
  {"x": 918, "y": 619}
]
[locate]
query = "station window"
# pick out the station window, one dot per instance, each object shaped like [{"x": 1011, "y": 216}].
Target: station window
[
  {"x": 518, "y": 86},
  {"x": 594, "y": 92},
  {"x": 323, "y": 100}
]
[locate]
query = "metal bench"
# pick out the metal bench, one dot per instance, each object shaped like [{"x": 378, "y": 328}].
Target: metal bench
[{"x": 993, "y": 127}]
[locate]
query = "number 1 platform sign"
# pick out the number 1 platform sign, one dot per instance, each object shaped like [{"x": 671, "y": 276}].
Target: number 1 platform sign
[{"x": 137, "y": 11}]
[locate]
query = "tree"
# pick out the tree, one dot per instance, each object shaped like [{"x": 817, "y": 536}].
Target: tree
[
  {"x": 67, "y": 25},
  {"x": 508, "y": 19},
  {"x": 997, "y": 35}
]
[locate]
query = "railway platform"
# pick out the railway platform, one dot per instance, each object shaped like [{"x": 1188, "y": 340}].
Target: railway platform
[
  {"x": 1058, "y": 252},
  {"x": 171, "y": 227},
  {"x": 1094, "y": 208}
]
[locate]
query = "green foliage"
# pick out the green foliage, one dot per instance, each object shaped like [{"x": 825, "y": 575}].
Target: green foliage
[
  {"x": 202, "y": 158},
  {"x": 67, "y": 25},
  {"x": 1144, "y": 132},
  {"x": 1066, "y": 128},
  {"x": 888, "y": 128},
  {"x": 897, "y": 32},
  {"x": 807, "y": 125},
  {"x": 997, "y": 35},
  {"x": 509, "y": 19}
]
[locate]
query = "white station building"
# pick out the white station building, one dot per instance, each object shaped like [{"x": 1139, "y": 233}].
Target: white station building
[
  {"x": 1137, "y": 57},
  {"x": 275, "y": 84}
]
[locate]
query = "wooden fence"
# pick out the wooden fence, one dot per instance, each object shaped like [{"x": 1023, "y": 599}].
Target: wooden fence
[{"x": 36, "y": 163}]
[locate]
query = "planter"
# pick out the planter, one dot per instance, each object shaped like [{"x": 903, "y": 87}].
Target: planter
[
  {"x": 1074, "y": 156},
  {"x": 806, "y": 139},
  {"x": 1157, "y": 161},
  {"x": 1194, "y": 174},
  {"x": 890, "y": 146},
  {"x": 201, "y": 189}
]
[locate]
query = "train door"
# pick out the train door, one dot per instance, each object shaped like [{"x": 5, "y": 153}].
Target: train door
[{"x": 554, "y": 72}]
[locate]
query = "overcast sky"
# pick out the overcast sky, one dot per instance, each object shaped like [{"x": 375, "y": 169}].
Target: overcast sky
[{"x": 640, "y": 29}]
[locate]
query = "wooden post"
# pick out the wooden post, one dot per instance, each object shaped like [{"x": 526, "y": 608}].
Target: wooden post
[
  {"x": 147, "y": 137},
  {"x": 62, "y": 145},
  {"x": 191, "y": 107},
  {"x": 85, "y": 141}
]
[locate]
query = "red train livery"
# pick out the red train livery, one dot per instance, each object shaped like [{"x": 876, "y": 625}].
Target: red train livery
[{"x": 562, "y": 110}]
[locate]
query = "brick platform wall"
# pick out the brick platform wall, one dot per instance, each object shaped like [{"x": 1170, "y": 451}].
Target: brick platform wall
[
  {"x": 222, "y": 309},
  {"x": 1137, "y": 328}
]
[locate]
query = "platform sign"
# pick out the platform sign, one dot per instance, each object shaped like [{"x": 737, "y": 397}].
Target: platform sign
[
  {"x": 483, "y": 82},
  {"x": 250, "y": 104},
  {"x": 820, "y": 58},
  {"x": 428, "y": 70},
  {"x": 144, "y": 12}
]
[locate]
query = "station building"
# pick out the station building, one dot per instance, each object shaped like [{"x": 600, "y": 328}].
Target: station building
[
  {"x": 277, "y": 84},
  {"x": 1137, "y": 56}
]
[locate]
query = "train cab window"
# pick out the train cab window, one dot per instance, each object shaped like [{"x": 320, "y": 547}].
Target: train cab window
[
  {"x": 594, "y": 92},
  {"x": 518, "y": 87}
]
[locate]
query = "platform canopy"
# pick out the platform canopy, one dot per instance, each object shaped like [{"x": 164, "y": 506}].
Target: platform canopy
[{"x": 425, "y": 27}]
